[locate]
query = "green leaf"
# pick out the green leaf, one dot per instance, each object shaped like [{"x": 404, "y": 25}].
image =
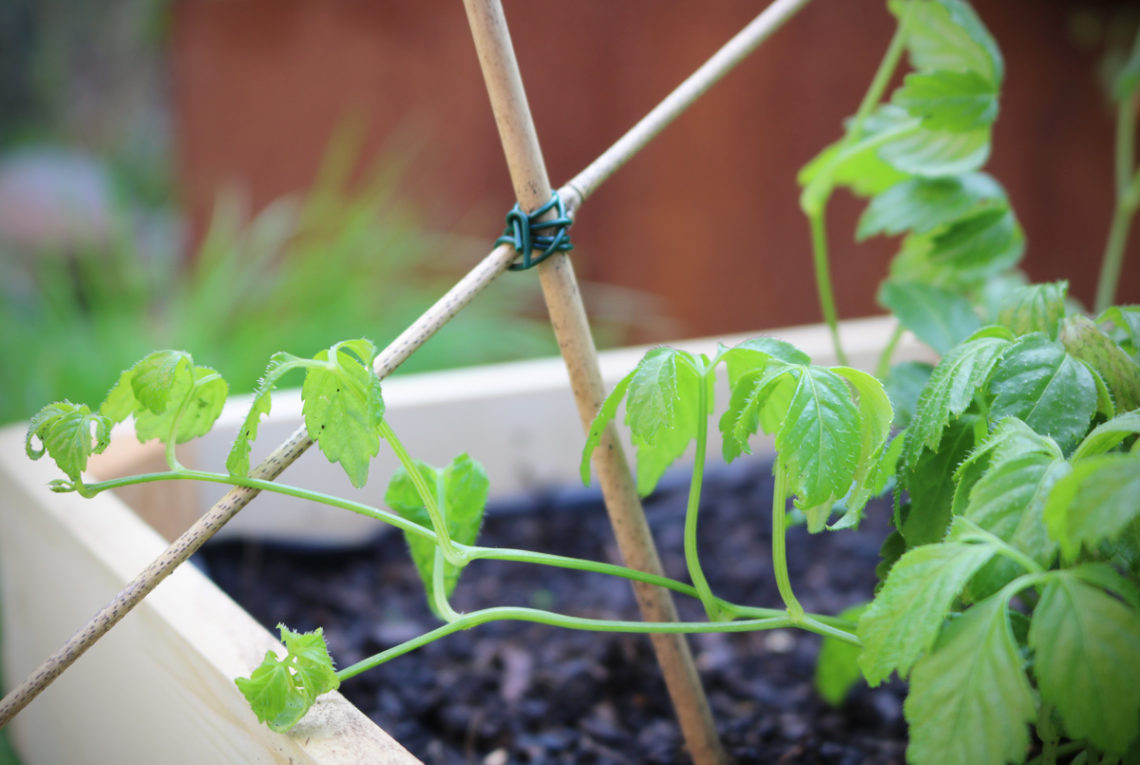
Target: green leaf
[
  {"x": 603, "y": 418},
  {"x": 1084, "y": 340},
  {"x": 756, "y": 354},
  {"x": 237, "y": 463},
  {"x": 154, "y": 379},
  {"x": 837, "y": 668},
  {"x": 1039, "y": 383},
  {"x": 1085, "y": 646},
  {"x": 343, "y": 407},
  {"x": 907, "y": 614},
  {"x": 952, "y": 387},
  {"x": 281, "y": 691},
  {"x": 1095, "y": 502},
  {"x": 70, "y": 433},
  {"x": 922, "y": 204},
  {"x": 946, "y": 100},
  {"x": 819, "y": 442},
  {"x": 460, "y": 490},
  {"x": 904, "y": 384},
  {"x": 930, "y": 484},
  {"x": 1008, "y": 501},
  {"x": 759, "y": 400},
  {"x": 1126, "y": 321},
  {"x": 875, "y": 416},
  {"x": 918, "y": 150},
  {"x": 947, "y": 35},
  {"x": 169, "y": 397},
  {"x": 856, "y": 166},
  {"x": 661, "y": 411},
  {"x": 970, "y": 702},
  {"x": 1108, "y": 435},
  {"x": 937, "y": 317},
  {"x": 980, "y": 245},
  {"x": 1034, "y": 308}
]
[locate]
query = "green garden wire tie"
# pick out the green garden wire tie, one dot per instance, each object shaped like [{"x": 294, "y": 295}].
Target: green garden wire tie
[{"x": 521, "y": 233}]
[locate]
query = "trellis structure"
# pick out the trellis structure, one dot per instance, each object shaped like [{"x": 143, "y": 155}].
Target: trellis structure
[{"x": 571, "y": 326}]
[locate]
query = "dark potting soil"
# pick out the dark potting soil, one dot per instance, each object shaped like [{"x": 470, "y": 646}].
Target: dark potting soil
[{"x": 527, "y": 693}]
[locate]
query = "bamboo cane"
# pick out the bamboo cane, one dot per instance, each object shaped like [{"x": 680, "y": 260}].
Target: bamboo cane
[
  {"x": 238, "y": 497},
  {"x": 560, "y": 289}
]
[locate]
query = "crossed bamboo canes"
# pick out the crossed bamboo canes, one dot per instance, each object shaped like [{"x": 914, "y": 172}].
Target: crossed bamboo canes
[{"x": 560, "y": 290}]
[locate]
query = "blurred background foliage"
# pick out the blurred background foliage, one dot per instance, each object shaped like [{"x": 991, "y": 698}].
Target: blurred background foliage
[{"x": 97, "y": 267}]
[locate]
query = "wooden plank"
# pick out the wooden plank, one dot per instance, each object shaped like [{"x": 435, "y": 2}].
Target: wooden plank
[{"x": 159, "y": 687}]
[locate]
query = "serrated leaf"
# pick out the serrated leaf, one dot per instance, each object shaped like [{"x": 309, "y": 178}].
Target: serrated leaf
[
  {"x": 819, "y": 442},
  {"x": 937, "y": 317},
  {"x": 1084, "y": 340},
  {"x": 1104, "y": 576},
  {"x": 931, "y": 486},
  {"x": 1126, "y": 320},
  {"x": 907, "y": 614},
  {"x": 1039, "y": 383},
  {"x": 1008, "y": 439},
  {"x": 169, "y": 397},
  {"x": 460, "y": 490},
  {"x": 237, "y": 462},
  {"x": 154, "y": 379},
  {"x": 970, "y": 702},
  {"x": 980, "y": 245},
  {"x": 1108, "y": 435},
  {"x": 856, "y": 166},
  {"x": 1008, "y": 501},
  {"x": 281, "y": 691},
  {"x": 948, "y": 100},
  {"x": 662, "y": 411},
  {"x": 918, "y": 150},
  {"x": 904, "y": 384},
  {"x": 343, "y": 408},
  {"x": 759, "y": 400},
  {"x": 756, "y": 354},
  {"x": 837, "y": 667},
  {"x": 70, "y": 433},
  {"x": 1034, "y": 308},
  {"x": 1095, "y": 502},
  {"x": 947, "y": 35},
  {"x": 875, "y": 416},
  {"x": 603, "y": 418},
  {"x": 1085, "y": 645},
  {"x": 922, "y": 204},
  {"x": 952, "y": 387}
]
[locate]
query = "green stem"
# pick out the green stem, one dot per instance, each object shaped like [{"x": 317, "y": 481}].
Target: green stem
[
  {"x": 779, "y": 547},
  {"x": 1113, "y": 261},
  {"x": 513, "y": 613},
  {"x": 883, "y": 74},
  {"x": 823, "y": 278},
  {"x": 883, "y": 368},
  {"x": 439, "y": 588},
  {"x": 263, "y": 485},
  {"x": 817, "y": 210},
  {"x": 467, "y": 551},
  {"x": 1127, "y": 182},
  {"x": 692, "y": 555},
  {"x": 431, "y": 504}
]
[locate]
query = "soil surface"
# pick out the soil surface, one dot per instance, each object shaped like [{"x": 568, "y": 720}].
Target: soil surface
[{"x": 510, "y": 692}]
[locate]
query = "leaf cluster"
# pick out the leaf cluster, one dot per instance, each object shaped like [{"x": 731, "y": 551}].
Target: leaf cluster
[
  {"x": 281, "y": 690},
  {"x": 1010, "y": 589},
  {"x": 830, "y": 423}
]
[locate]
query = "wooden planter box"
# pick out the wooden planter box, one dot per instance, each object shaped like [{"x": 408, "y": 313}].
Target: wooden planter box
[{"x": 160, "y": 686}]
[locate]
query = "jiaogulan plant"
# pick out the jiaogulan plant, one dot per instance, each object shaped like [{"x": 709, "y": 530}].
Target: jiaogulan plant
[{"x": 1010, "y": 585}]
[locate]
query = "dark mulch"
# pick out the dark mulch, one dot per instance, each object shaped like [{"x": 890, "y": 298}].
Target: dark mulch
[{"x": 511, "y": 692}]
